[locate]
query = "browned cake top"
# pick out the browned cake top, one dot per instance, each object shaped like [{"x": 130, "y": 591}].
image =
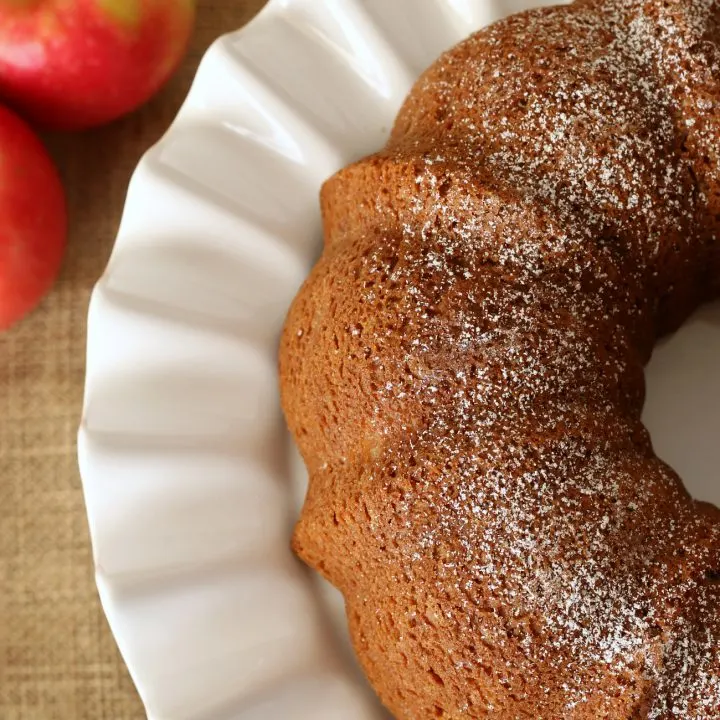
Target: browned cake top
[{"x": 463, "y": 374}]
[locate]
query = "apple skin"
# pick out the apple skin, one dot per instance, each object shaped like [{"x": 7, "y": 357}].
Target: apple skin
[
  {"x": 33, "y": 219},
  {"x": 75, "y": 64}
]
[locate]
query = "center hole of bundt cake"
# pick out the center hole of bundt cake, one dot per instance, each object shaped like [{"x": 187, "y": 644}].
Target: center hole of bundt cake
[{"x": 682, "y": 410}]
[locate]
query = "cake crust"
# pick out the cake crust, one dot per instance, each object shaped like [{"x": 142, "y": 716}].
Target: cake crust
[{"x": 463, "y": 374}]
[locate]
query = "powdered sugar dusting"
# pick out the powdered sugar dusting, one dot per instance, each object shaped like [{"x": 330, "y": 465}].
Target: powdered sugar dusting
[{"x": 550, "y": 204}]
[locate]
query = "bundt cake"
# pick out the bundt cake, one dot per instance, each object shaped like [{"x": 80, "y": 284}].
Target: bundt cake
[{"x": 463, "y": 374}]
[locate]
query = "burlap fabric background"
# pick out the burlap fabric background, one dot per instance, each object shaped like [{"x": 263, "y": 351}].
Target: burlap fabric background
[{"x": 57, "y": 658}]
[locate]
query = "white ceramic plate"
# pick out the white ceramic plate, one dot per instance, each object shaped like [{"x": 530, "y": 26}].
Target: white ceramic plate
[{"x": 186, "y": 466}]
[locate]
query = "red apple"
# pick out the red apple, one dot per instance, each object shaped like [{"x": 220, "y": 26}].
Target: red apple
[
  {"x": 33, "y": 219},
  {"x": 73, "y": 64}
]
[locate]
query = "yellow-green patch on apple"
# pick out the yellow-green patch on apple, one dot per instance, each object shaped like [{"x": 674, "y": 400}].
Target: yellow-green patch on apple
[{"x": 128, "y": 12}]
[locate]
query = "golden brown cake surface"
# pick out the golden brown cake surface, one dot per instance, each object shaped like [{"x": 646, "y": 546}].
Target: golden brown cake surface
[{"x": 463, "y": 374}]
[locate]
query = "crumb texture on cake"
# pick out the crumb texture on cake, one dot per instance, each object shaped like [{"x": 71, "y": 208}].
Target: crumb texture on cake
[{"x": 463, "y": 374}]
